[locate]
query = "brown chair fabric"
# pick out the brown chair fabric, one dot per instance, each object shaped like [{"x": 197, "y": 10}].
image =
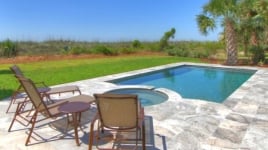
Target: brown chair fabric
[
  {"x": 124, "y": 107},
  {"x": 16, "y": 70},
  {"x": 41, "y": 87},
  {"x": 40, "y": 107},
  {"x": 118, "y": 113}
]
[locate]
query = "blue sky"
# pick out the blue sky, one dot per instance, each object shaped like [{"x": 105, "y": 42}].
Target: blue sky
[{"x": 100, "y": 20}]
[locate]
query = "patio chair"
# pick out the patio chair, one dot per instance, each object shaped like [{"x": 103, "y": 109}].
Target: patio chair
[
  {"x": 41, "y": 110},
  {"x": 42, "y": 88},
  {"x": 120, "y": 115}
]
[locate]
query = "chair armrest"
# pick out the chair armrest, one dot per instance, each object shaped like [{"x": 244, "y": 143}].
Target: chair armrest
[
  {"x": 57, "y": 104},
  {"x": 140, "y": 111}
]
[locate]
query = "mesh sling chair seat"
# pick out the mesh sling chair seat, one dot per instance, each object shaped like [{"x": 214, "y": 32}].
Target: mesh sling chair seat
[
  {"x": 120, "y": 115},
  {"x": 41, "y": 110},
  {"x": 43, "y": 88}
]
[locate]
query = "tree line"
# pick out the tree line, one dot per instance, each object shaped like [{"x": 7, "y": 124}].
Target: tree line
[{"x": 245, "y": 22}]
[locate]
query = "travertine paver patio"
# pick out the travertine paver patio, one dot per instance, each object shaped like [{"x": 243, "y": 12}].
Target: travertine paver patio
[{"x": 241, "y": 122}]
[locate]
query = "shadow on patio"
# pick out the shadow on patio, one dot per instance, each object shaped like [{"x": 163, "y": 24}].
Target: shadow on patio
[
  {"x": 58, "y": 131},
  {"x": 150, "y": 139}
]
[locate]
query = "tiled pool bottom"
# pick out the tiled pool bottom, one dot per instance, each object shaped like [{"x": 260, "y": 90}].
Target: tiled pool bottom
[{"x": 241, "y": 122}]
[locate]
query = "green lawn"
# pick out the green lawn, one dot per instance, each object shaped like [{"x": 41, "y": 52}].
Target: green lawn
[{"x": 63, "y": 71}]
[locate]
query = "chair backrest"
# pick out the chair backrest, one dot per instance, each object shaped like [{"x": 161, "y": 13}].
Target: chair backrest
[
  {"x": 118, "y": 110},
  {"x": 33, "y": 94},
  {"x": 16, "y": 70}
]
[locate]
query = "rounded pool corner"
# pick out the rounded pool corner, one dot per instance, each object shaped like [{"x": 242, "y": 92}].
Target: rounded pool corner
[{"x": 147, "y": 97}]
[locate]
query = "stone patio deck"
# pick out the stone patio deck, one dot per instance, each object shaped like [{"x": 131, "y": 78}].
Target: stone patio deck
[{"x": 241, "y": 122}]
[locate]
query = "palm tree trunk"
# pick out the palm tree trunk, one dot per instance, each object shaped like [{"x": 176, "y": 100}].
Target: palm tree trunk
[
  {"x": 254, "y": 39},
  {"x": 230, "y": 43}
]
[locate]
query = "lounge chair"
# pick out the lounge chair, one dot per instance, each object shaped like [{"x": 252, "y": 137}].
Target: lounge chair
[
  {"x": 41, "y": 110},
  {"x": 42, "y": 88},
  {"x": 118, "y": 114}
]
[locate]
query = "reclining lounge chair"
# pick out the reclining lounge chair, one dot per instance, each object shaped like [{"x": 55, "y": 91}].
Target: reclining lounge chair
[
  {"x": 41, "y": 110},
  {"x": 44, "y": 89}
]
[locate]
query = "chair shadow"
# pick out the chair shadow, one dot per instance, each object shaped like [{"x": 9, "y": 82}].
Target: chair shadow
[
  {"x": 4, "y": 92},
  {"x": 63, "y": 132},
  {"x": 5, "y": 71},
  {"x": 60, "y": 128},
  {"x": 150, "y": 138}
]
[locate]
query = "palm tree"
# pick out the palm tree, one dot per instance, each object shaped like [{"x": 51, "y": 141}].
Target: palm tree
[
  {"x": 246, "y": 27},
  {"x": 261, "y": 7},
  {"x": 253, "y": 19},
  {"x": 166, "y": 37},
  {"x": 226, "y": 12},
  {"x": 252, "y": 26}
]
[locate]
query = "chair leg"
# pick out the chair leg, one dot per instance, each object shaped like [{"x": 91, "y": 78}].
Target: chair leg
[
  {"x": 79, "y": 92},
  {"x": 18, "y": 110},
  {"x": 13, "y": 98},
  {"x": 12, "y": 122},
  {"x": 143, "y": 137},
  {"x": 10, "y": 103},
  {"x": 91, "y": 135},
  {"x": 31, "y": 130},
  {"x": 138, "y": 135}
]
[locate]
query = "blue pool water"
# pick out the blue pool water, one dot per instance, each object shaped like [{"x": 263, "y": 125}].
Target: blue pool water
[
  {"x": 146, "y": 97},
  {"x": 205, "y": 83}
]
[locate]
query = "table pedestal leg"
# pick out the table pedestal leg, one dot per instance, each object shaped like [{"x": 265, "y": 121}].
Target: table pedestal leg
[{"x": 75, "y": 122}]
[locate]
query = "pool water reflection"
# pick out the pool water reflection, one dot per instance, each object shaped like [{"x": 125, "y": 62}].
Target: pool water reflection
[{"x": 195, "y": 82}]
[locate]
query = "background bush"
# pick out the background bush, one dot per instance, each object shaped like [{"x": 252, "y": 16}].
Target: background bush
[
  {"x": 194, "y": 49},
  {"x": 8, "y": 49},
  {"x": 258, "y": 55}
]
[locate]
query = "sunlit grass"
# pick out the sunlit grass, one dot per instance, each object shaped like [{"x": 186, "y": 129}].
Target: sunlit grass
[{"x": 64, "y": 71}]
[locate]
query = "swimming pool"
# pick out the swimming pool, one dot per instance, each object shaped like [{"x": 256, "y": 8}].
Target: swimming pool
[{"x": 194, "y": 82}]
